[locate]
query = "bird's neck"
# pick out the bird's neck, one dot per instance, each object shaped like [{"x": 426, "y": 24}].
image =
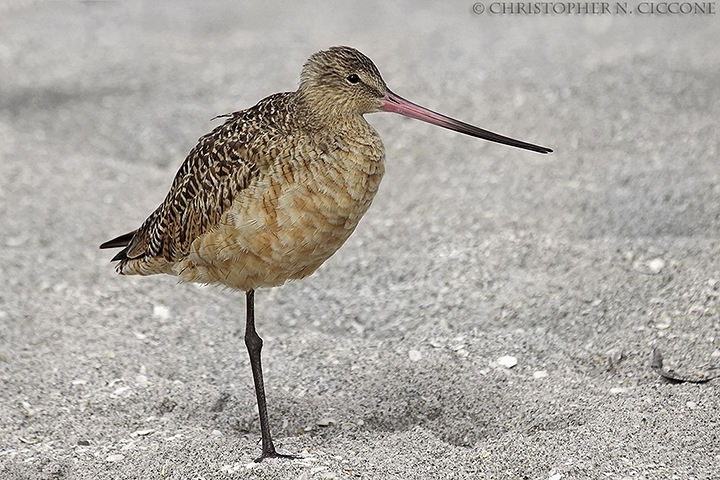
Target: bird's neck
[{"x": 325, "y": 114}]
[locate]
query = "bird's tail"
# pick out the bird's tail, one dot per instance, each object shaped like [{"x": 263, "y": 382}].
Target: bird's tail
[{"x": 117, "y": 242}]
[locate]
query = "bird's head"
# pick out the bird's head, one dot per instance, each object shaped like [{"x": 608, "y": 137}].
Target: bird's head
[{"x": 342, "y": 81}]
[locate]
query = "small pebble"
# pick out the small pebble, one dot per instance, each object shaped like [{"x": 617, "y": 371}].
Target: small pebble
[
  {"x": 236, "y": 467},
  {"x": 540, "y": 374},
  {"x": 691, "y": 405},
  {"x": 326, "y": 422},
  {"x": 216, "y": 433},
  {"x": 656, "y": 265},
  {"x": 15, "y": 241},
  {"x": 615, "y": 356},
  {"x": 161, "y": 311},
  {"x": 121, "y": 390},
  {"x": 664, "y": 321},
  {"x": 507, "y": 361},
  {"x": 29, "y": 411},
  {"x": 128, "y": 446},
  {"x": 143, "y": 433},
  {"x": 617, "y": 390},
  {"x": 651, "y": 267},
  {"x": 715, "y": 354},
  {"x": 557, "y": 476},
  {"x": 28, "y": 441},
  {"x": 414, "y": 355},
  {"x": 115, "y": 458}
]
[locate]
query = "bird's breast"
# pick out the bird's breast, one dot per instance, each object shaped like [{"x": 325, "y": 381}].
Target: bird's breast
[{"x": 293, "y": 216}]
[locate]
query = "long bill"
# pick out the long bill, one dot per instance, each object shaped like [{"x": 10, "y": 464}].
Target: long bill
[{"x": 392, "y": 102}]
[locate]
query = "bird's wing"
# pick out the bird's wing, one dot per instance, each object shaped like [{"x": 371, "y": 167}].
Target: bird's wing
[
  {"x": 203, "y": 189},
  {"x": 221, "y": 166}
]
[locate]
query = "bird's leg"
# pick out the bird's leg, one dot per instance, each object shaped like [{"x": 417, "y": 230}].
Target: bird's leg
[{"x": 254, "y": 344}]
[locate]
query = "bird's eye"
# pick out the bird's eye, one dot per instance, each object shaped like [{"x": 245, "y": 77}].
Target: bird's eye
[{"x": 353, "y": 78}]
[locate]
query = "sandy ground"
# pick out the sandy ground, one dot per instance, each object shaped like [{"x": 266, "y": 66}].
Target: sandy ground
[{"x": 384, "y": 364}]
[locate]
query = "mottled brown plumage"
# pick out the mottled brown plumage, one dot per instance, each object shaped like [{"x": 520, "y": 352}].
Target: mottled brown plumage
[{"x": 273, "y": 192}]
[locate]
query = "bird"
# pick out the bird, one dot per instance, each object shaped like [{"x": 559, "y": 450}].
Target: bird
[{"x": 274, "y": 191}]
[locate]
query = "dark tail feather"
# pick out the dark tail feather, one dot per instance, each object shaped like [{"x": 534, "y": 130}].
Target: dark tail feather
[{"x": 121, "y": 241}]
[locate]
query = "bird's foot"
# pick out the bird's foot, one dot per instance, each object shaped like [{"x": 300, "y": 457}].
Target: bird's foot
[{"x": 274, "y": 454}]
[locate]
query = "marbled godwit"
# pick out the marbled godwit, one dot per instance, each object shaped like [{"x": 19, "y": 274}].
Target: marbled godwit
[{"x": 273, "y": 192}]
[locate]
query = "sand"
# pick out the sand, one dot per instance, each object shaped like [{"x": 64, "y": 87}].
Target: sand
[{"x": 386, "y": 363}]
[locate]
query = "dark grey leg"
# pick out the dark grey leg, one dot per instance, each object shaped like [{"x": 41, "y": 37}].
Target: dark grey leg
[{"x": 254, "y": 344}]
